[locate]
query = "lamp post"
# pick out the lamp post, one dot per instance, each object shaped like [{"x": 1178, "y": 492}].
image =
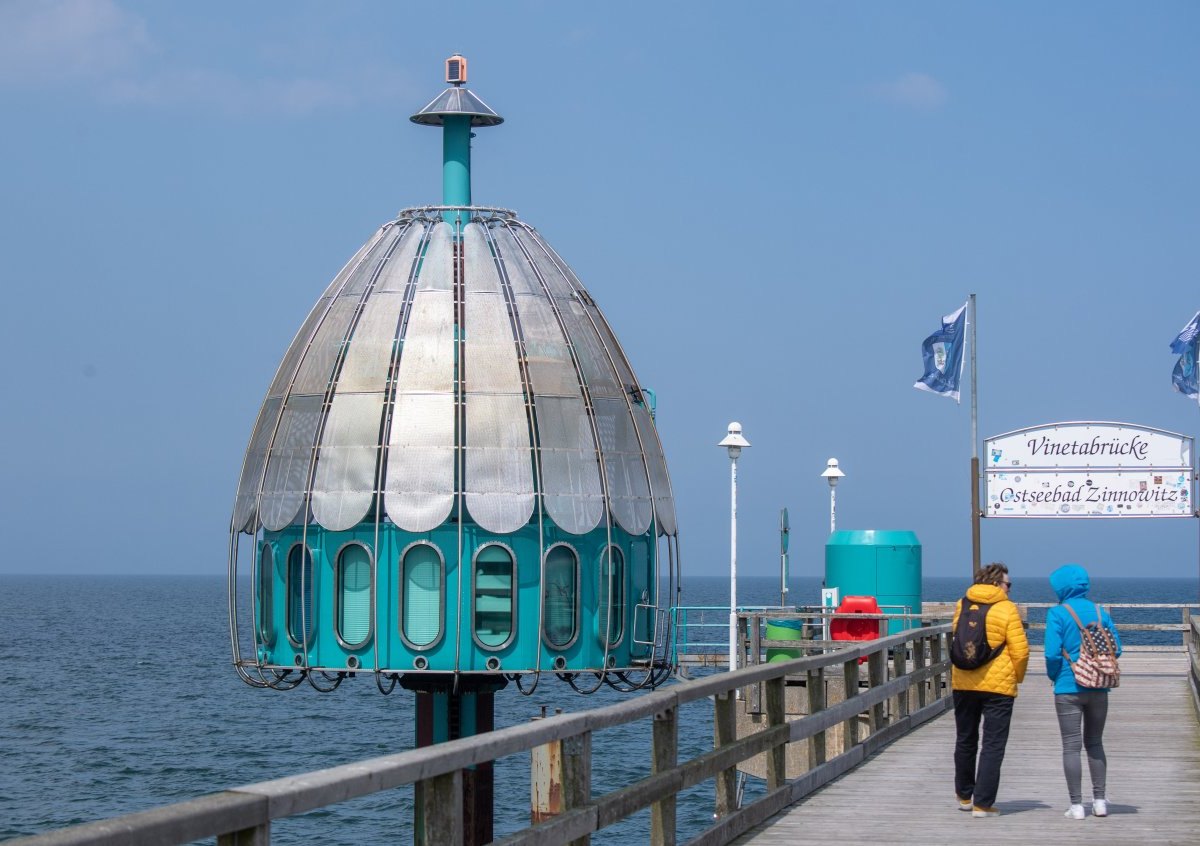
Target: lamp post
[
  {"x": 733, "y": 442},
  {"x": 832, "y": 473}
]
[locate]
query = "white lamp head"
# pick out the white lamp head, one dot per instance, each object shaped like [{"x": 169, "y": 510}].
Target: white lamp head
[
  {"x": 832, "y": 472},
  {"x": 734, "y": 440}
]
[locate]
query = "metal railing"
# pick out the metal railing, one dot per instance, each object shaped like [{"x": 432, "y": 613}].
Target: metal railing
[
  {"x": 701, "y": 632},
  {"x": 1191, "y": 640},
  {"x": 905, "y": 683},
  {"x": 1135, "y": 621}
]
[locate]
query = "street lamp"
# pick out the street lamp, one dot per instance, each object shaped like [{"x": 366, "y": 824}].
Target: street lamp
[
  {"x": 832, "y": 473},
  {"x": 733, "y": 442}
]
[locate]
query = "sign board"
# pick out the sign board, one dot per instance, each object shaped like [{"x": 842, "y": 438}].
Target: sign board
[
  {"x": 829, "y": 602},
  {"x": 1090, "y": 469}
]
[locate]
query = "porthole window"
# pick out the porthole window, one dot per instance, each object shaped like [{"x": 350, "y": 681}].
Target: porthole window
[
  {"x": 266, "y": 594},
  {"x": 422, "y": 590},
  {"x": 642, "y": 568},
  {"x": 493, "y": 577},
  {"x": 611, "y": 607},
  {"x": 354, "y": 595},
  {"x": 560, "y": 596},
  {"x": 300, "y": 593}
]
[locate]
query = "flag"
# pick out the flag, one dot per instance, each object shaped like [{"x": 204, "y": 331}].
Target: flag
[
  {"x": 943, "y": 354},
  {"x": 1184, "y": 346}
]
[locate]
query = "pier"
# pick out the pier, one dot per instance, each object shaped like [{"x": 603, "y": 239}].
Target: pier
[
  {"x": 868, "y": 760},
  {"x": 905, "y": 793}
]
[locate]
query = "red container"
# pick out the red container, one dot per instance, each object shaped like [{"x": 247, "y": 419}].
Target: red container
[{"x": 850, "y": 629}]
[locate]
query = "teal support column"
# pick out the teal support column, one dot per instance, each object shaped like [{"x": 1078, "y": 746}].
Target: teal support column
[
  {"x": 456, "y": 165},
  {"x": 447, "y": 710}
]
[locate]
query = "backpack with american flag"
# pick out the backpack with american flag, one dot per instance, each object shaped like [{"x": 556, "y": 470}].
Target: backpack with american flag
[{"x": 1097, "y": 664}]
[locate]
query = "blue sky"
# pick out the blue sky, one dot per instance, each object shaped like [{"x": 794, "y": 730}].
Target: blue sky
[{"x": 772, "y": 203}]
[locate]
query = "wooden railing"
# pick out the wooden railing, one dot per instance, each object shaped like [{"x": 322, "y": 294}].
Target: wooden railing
[{"x": 905, "y": 684}]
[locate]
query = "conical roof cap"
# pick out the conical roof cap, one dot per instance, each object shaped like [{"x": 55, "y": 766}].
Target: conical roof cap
[{"x": 457, "y": 101}]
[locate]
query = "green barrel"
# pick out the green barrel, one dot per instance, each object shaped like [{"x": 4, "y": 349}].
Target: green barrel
[{"x": 783, "y": 630}]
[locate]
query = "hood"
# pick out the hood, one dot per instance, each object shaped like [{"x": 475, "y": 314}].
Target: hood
[
  {"x": 1070, "y": 580},
  {"x": 991, "y": 594}
]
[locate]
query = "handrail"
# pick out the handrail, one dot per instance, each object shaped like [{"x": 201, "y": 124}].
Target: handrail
[{"x": 915, "y": 692}]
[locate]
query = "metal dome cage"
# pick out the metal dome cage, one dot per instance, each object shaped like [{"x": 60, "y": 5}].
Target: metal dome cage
[{"x": 454, "y": 471}]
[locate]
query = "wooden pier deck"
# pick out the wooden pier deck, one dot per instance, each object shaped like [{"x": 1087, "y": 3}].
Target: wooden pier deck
[{"x": 905, "y": 793}]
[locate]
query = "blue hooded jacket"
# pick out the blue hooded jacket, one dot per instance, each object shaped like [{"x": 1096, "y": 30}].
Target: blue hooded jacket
[{"x": 1071, "y": 583}]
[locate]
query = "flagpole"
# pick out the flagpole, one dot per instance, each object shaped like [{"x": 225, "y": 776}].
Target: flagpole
[{"x": 975, "y": 512}]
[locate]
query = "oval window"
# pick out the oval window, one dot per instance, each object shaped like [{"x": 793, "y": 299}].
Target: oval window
[
  {"x": 493, "y": 596},
  {"x": 560, "y": 595},
  {"x": 421, "y": 618},
  {"x": 300, "y": 593},
  {"x": 612, "y": 596},
  {"x": 354, "y": 595},
  {"x": 266, "y": 594}
]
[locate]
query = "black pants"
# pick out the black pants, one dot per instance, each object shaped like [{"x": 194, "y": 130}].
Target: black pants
[{"x": 980, "y": 785}]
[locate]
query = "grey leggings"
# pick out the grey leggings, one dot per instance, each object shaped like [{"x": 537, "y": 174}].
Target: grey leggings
[{"x": 1090, "y": 709}]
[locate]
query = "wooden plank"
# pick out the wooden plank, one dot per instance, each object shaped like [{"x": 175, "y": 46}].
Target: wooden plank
[
  {"x": 850, "y": 683},
  {"x": 816, "y": 704},
  {"x": 725, "y": 732},
  {"x": 899, "y": 670},
  {"x": 875, "y": 677},
  {"x": 577, "y": 776},
  {"x": 180, "y": 823},
  {"x": 439, "y": 810},
  {"x": 776, "y": 716},
  {"x": 663, "y": 759}
]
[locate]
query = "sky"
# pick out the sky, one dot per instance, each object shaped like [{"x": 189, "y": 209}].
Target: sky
[{"x": 772, "y": 203}]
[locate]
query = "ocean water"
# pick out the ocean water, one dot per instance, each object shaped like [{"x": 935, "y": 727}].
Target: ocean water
[{"x": 119, "y": 696}]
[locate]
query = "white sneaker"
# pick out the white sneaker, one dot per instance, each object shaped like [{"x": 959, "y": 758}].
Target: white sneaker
[
  {"x": 1075, "y": 812},
  {"x": 1100, "y": 807}
]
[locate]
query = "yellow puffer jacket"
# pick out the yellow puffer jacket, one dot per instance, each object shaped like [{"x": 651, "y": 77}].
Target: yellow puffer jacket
[{"x": 1007, "y": 670}]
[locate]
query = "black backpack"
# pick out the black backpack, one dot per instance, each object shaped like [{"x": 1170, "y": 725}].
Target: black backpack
[{"x": 969, "y": 647}]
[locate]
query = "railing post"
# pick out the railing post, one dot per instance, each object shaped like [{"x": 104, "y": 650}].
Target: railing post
[
  {"x": 1187, "y": 630},
  {"x": 259, "y": 835},
  {"x": 850, "y": 681},
  {"x": 938, "y": 679},
  {"x": 577, "y": 775},
  {"x": 753, "y": 657},
  {"x": 815, "y": 681},
  {"x": 741, "y": 630},
  {"x": 678, "y": 636},
  {"x": 900, "y": 670},
  {"x": 919, "y": 663},
  {"x": 776, "y": 716},
  {"x": 664, "y": 756},
  {"x": 875, "y": 672},
  {"x": 439, "y": 810},
  {"x": 725, "y": 732}
]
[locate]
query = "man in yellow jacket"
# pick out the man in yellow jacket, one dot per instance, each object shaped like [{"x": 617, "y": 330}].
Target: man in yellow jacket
[{"x": 987, "y": 692}]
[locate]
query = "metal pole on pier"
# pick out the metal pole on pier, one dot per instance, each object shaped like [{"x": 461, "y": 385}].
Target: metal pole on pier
[
  {"x": 784, "y": 530},
  {"x": 733, "y": 442},
  {"x": 832, "y": 474},
  {"x": 976, "y": 514}
]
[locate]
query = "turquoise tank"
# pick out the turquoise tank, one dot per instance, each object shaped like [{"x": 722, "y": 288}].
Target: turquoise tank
[{"x": 882, "y": 564}]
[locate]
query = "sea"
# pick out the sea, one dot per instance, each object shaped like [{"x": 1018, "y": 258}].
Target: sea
[{"x": 118, "y": 695}]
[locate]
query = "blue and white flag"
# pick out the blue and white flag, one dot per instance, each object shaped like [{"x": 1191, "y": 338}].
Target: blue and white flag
[
  {"x": 943, "y": 354},
  {"x": 1184, "y": 345}
]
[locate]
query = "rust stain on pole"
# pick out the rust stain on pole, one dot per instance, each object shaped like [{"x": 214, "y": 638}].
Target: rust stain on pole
[{"x": 546, "y": 780}]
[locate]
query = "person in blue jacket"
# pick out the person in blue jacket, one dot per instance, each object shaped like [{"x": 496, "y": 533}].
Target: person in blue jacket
[{"x": 1076, "y": 705}]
